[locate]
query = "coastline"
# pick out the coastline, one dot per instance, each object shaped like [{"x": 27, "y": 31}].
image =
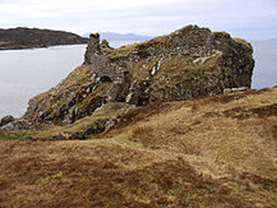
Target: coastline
[
  {"x": 29, "y": 38},
  {"x": 36, "y": 46},
  {"x": 26, "y": 73}
]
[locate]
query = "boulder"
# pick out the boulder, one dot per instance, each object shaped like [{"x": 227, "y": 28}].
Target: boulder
[
  {"x": 17, "y": 124},
  {"x": 6, "y": 119}
]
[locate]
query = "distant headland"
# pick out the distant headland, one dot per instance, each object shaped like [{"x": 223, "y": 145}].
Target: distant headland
[
  {"x": 25, "y": 38},
  {"x": 111, "y": 36}
]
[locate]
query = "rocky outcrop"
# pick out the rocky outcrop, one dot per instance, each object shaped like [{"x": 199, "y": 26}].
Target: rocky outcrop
[
  {"x": 230, "y": 90},
  {"x": 188, "y": 63},
  {"x": 6, "y": 119},
  {"x": 23, "y": 38},
  {"x": 17, "y": 124}
]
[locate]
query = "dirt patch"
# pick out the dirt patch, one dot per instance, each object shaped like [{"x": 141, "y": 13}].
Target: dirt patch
[
  {"x": 266, "y": 111},
  {"x": 212, "y": 115},
  {"x": 245, "y": 113},
  {"x": 238, "y": 113},
  {"x": 267, "y": 183},
  {"x": 232, "y": 96},
  {"x": 274, "y": 132}
]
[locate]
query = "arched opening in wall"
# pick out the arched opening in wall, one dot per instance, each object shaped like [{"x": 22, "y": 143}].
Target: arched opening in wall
[
  {"x": 143, "y": 101},
  {"x": 105, "y": 79}
]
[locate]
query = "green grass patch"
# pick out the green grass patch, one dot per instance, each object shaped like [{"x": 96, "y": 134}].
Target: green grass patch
[{"x": 107, "y": 111}]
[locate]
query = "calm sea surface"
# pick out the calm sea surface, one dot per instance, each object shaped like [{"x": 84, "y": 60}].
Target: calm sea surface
[
  {"x": 265, "y": 72},
  {"x": 25, "y": 73}
]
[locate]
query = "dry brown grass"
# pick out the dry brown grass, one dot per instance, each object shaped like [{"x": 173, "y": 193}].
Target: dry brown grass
[
  {"x": 241, "y": 132},
  {"x": 2, "y": 42},
  {"x": 210, "y": 152},
  {"x": 242, "y": 41},
  {"x": 96, "y": 174},
  {"x": 6, "y": 42}
]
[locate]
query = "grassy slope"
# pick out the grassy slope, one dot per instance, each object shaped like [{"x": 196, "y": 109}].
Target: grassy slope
[
  {"x": 210, "y": 152},
  {"x": 106, "y": 112}
]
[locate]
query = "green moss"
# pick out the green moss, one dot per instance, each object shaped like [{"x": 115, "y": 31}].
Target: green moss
[
  {"x": 180, "y": 69},
  {"x": 124, "y": 140},
  {"x": 7, "y": 137},
  {"x": 107, "y": 111},
  {"x": 15, "y": 135}
]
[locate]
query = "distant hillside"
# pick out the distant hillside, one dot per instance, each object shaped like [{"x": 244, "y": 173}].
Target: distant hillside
[
  {"x": 23, "y": 38},
  {"x": 110, "y": 36}
]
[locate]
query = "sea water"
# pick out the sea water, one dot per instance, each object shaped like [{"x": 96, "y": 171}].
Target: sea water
[
  {"x": 26, "y": 73},
  {"x": 265, "y": 71}
]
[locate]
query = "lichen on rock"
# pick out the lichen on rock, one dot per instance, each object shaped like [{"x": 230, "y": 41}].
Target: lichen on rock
[{"x": 188, "y": 63}]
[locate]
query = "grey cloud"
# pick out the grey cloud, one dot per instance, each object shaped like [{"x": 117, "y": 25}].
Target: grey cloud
[{"x": 231, "y": 15}]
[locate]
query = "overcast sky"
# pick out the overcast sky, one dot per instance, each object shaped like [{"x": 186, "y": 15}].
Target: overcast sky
[{"x": 249, "y": 19}]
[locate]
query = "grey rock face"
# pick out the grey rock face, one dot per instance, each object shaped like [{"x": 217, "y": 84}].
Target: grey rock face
[
  {"x": 17, "y": 124},
  {"x": 230, "y": 90},
  {"x": 7, "y": 119}
]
